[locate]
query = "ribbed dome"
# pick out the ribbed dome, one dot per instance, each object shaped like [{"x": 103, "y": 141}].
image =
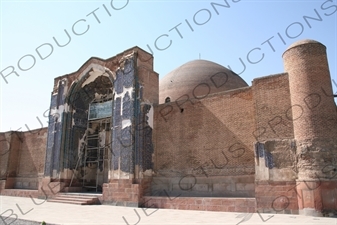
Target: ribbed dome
[{"x": 197, "y": 79}]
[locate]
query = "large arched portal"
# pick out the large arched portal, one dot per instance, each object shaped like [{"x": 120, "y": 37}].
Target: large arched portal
[
  {"x": 100, "y": 128},
  {"x": 87, "y": 135},
  {"x": 79, "y": 151}
]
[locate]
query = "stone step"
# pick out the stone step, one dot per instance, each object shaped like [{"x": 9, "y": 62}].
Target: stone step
[
  {"x": 68, "y": 202},
  {"x": 76, "y": 198},
  {"x": 73, "y": 189},
  {"x": 88, "y": 200},
  {"x": 85, "y": 194}
]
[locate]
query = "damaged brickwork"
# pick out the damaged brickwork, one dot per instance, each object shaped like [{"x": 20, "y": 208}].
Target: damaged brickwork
[{"x": 202, "y": 139}]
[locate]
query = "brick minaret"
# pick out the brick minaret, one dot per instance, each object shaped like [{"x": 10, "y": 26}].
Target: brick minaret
[{"x": 314, "y": 118}]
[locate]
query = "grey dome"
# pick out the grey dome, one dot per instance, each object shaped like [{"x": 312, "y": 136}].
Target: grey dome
[{"x": 197, "y": 79}]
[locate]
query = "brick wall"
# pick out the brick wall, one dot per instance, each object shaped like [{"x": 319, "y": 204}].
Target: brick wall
[
  {"x": 276, "y": 160},
  {"x": 320, "y": 195},
  {"x": 13, "y": 154},
  {"x": 275, "y": 154},
  {"x": 22, "y": 158},
  {"x": 31, "y": 159},
  {"x": 276, "y": 197},
  {"x": 273, "y": 113},
  {"x": 212, "y": 134},
  {"x": 201, "y": 139},
  {"x": 147, "y": 78},
  {"x": 126, "y": 192},
  {"x": 20, "y": 193},
  {"x": 5, "y": 144},
  {"x": 247, "y": 205},
  {"x": 32, "y": 154},
  {"x": 196, "y": 186}
]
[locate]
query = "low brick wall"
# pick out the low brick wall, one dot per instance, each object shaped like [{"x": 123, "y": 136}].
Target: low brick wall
[
  {"x": 276, "y": 197},
  {"x": 26, "y": 183},
  {"x": 20, "y": 193},
  {"x": 128, "y": 192},
  {"x": 202, "y": 203},
  {"x": 318, "y": 195}
]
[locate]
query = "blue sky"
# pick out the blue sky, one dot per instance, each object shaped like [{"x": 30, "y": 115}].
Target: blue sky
[{"x": 220, "y": 34}]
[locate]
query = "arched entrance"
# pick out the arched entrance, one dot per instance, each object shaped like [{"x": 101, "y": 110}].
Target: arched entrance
[
  {"x": 86, "y": 150},
  {"x": 100, "y": 129}
]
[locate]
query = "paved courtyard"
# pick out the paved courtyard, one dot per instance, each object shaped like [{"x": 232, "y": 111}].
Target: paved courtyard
[{"x": 28, "y": 210}]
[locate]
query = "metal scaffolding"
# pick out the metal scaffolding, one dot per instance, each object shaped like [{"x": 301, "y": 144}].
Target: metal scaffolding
[{"x": 95, "y": 150}]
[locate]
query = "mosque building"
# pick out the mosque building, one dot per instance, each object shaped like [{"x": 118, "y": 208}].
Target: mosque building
[{"x": 200, "y": 138}]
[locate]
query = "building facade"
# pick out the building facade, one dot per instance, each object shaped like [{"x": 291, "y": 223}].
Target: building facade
[{"x": 199, "y": 139}]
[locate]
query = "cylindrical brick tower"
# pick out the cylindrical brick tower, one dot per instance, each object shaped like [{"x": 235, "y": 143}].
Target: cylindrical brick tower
[{"x": 314, "y": 117}]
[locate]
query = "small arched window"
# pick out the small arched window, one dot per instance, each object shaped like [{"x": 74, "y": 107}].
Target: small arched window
[{"x": 167, "y": 100}]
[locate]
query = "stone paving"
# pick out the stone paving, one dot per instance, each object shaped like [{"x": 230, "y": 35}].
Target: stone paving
[{"x": 27, "y": 210}]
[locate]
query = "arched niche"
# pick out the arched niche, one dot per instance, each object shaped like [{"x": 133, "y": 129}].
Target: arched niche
[{"x": 95, "y": 84}]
